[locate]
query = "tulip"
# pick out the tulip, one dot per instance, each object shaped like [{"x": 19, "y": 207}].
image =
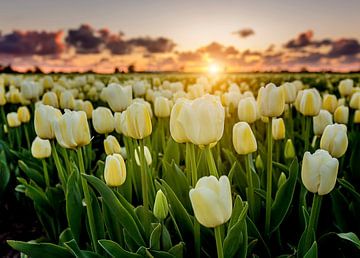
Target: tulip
[
  {"x": 79, "y": 105},
  {"x": 211, "y": 201},
  {"x": 203, "y": 120},
  {"x": 231, "y": 100},
  {"x": 88, "y": 108},
  {"x": 177, "y": 129},
  {"x": 136, "y": 121},
  {"x": 43, "y": 120},
  {"x": 259, "y": 164},
  {"x": 319, "y": 172},
  {"x": 117, "y": 120},
  {"x": 299, "y": 85},
  {"x": 278, "y": 129},
  {"x": 281, "y": 180},
  {"x": 330, "y": 103},
  {"x": 289, "y": 151},
  {"x": 2, "y": 96},
  {"x": 290, "y": 91},
  {"x": 72, "y": 129},
  {"x": 40, "y": 148},
  {"x": 243, "y": 139},
  {"x": 23, "y": 114},
  {"x": 13, "y": 119},
  {"x": 355, "y": 101},
  {"x": 162, "y": 107},
  {"x": 248, "y": 110},
  {"x": 31, "y": 90},
  {"x": 115, "y": 170},
  {"x": 67, "y": 100},
  {"x": 310, "y": 103},
  {"x": 271, "y": 100},
  {"x": 161, "y": 207},
  {"x": 346, "y": 87},
  {"x": 341, "y": 115},
  {"x": 140, "y": 88},
  {"x": 118, "y": 97},
  {"x": 103, "y": 120},
  {"x": 335, "y": 140},
  {"x": 147, "y": 154},
  {"x": 323, "y": 119},
  {"x": 111, "y": 145},
  {"x": 341, "y": 102},
  {"x": 50, "y": 98},
  {"x": 357, "y": 117}
]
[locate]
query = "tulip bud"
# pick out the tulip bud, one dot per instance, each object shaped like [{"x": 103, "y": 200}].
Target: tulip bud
[
  {"x": 259, "y": 164},
  {"x": 335, "y": 140},
  {"x": 248, "y": 110},
  {"x": 357, "y": 117},
  {"x": 271, "y": 100},
  {"x": 289, "y": 151},
  {"x": 31, "y": 90},
  {"x": 299, "y": 85},
  {"x": 50, "y": 98},
  {"x": 243, "y": 139},
  {"x": 278, "y": 129},
  {"x": 115, "y": 170},
  {"x": 13, "y": 119},
  {"x": 355, "y": 101},
  {"x": 40, "y": 148},
  {"x": 23, "y": 114},
  {"x": 117, "y": 120},
  {"x": 103, "y": 120},
  {"x": 140, "y": 88},
  {"x": 43, "y": 120},
  {"x": 330, "y": 103},
  {"x": 2, "y": 96},
  {"x": 323, "y": 119},
  {"x": 281, "y": 180},
  {"x": 211, "y": 201},
  {"x": 162, "y": 107},
  {"x": 161, "y": 207},
  {"x": 177, "y": 129},
  {"x": 72, "y": 129},
  {"x": 346, "y": 87},
  {"x": 136, "y": 121},
  {"x": 118, "y": 97},
  {"x": 147, "y": 154},
  {"x": 310, "y": 103},
  {"x": 319, "y": 172},
  {"x": 290, "y": 91},
  {"x": 341, "y": 115},
  {"x": 111, "y": 145},
  {"x": 88, "y": 109},
  {"x": 67, "y": 100}
]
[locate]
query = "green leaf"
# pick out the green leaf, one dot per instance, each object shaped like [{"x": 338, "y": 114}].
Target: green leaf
[
  {"x": 32, "y": 173},
  {"x": 74, "y": 207},
  {"x": 98, "y": 216},
  {"x": 312, "y": 253},
  {"x": 38, "y": 250},
  {"x": 172, "y": 152},
  {"x": 75, "y": 250},
  {"x": 117, "y": 209},
  {"x": 178, "y": 250},
  {"x": 115, "y": 250},
  {"x": 4, "y": 172},
  {"x": 352, "y": 237},
  {"x": 283, "y": 197},
  {"x": 155, "y": 237}
]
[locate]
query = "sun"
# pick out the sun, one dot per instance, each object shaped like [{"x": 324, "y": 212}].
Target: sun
[{"x": 214, "y": 68}]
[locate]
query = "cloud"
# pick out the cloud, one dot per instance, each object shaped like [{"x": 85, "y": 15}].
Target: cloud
[
  {"x": 84, "y": 39},
  {"x": 302, "y": 40},
  {"x": 153, "y": 45},
  {"x": 344, "y": 47},
  {"x": 31, "y": 43},
  {"x": 244, "y": 33}
]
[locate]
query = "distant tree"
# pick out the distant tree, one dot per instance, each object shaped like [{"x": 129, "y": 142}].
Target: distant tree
[{"x": 131, "y": 68}]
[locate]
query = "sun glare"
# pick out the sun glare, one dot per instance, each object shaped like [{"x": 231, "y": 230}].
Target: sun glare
[{"x": 214, "y": 68}]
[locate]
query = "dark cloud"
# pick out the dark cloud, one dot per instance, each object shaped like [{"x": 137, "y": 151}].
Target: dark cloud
[
  {"x": 117, "y": 45},
  {"x": 85, "y": 39},
  {"x": 344, "y": 47},
  {"x": 189, "y": 56},
  {"x": 244, "y": 33},
  {"x": 302, "y": 40},
  {"x": 153, "y": 45},
  {"x": 31, "y": 43}
]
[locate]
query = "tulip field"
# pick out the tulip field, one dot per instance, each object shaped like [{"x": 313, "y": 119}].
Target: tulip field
[{"x": 180, "y": 165}]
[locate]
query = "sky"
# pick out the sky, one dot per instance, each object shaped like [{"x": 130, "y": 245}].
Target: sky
[{"x": 181, "y": 35}]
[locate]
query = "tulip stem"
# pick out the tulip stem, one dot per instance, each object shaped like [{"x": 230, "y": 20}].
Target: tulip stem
[
  {"x": 307, "y": 132},
  {"x": 269, "y": 177},
  {"x": 144, "y": 175},
  {"x": 87, "y": 197},
  {"x": 211, "y": 162},
  {"x": 18, "y": 137},
  {"x": 46, "y": 173},
  {"x": 251, "y": 198},
  {"x": 197, "y": 238},
  {"x": 162, "y": 133},
  {"x": 219, "y": 245},
  {"x": 312, "y": 226},
  {"x": 26, "y": 130},
  {"x": 58, "y": 165},
  {"x": 192, "y": 163}
]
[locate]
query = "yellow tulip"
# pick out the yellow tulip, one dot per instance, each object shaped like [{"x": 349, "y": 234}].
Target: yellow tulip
[
  {"x": 162, "y": 107},
  {"x": 243, "y": 139},
  {"x": 50, "y": 98},
  {"x": 136, "y": 121},
  {"x": 346, "y": 87},
  {"x": 211, "y": 201},
  {"x": 117, "y": 120},
  {"x": 248, "y": 110},
  {"x": 357, "y": 117},
  {"x": 341, "y": 115},
  {"x": 43, "y": 120},
  {"x": 118, "y": 97},
  {"x": 115, "y": 170},
  {"x": 355, "y": 101},
  {"x": 13, "y": 119},
  {"x": 23, "y": 114},
  {"x": 72, "y": 129},
  {"x": 310, "y": 103},
  {"x": 161, "y": 206},
  {"x": 111, "y": 145},
  {"x": 103, "y": 120},
  {"x": 323, "y": 119},
  {"x": 290, "y": 91},
  {"x": 319, "y": 172},
  {"x": 335, "y": 140},
  {"x": 67, "y": 100},
  {"x": 271, "y": 100},
  {"x": 330, "y": 103},
  {"x": 147, "y": 154},
  {"x": 177, "y": 129},
  {"x": 278, "y": 129},
  {"x": 40, "y": 148}
]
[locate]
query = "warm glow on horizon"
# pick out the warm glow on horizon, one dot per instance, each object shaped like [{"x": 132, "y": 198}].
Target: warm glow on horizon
[{"x": 214, "y": 68}]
